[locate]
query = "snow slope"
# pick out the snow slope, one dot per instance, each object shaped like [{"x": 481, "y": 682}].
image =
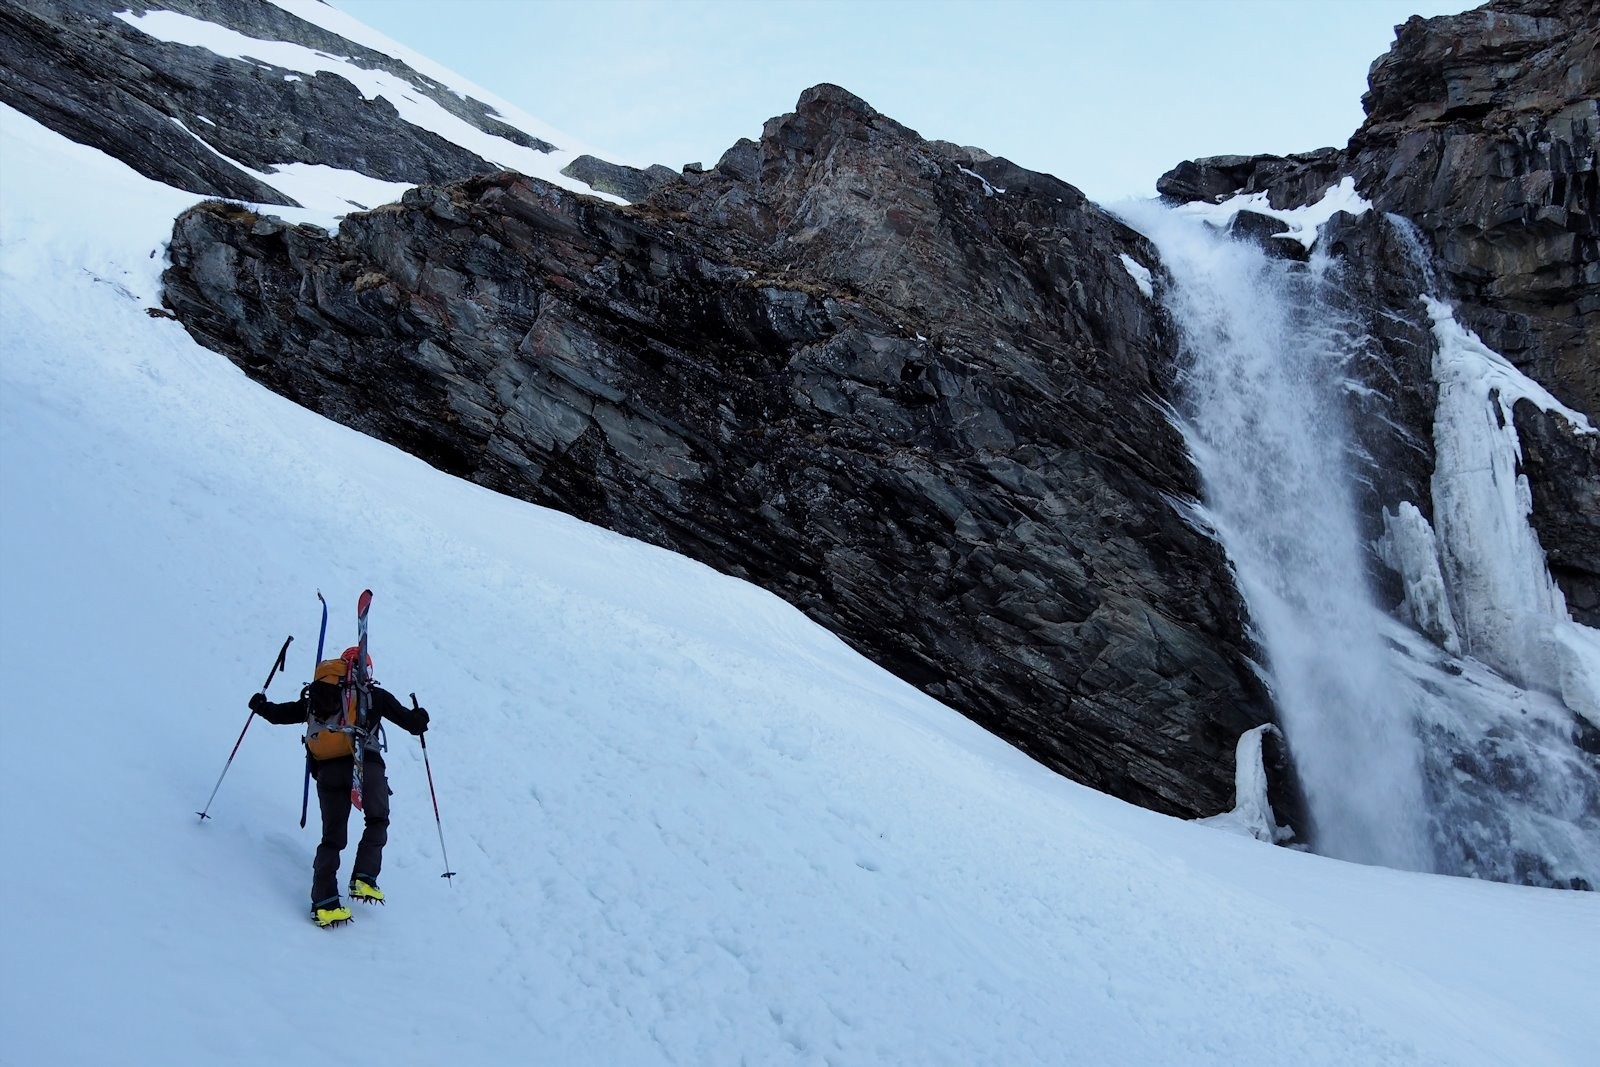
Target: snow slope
[
  {"x": 330, "y": 192},
  {"x": 690, "y": 826}
]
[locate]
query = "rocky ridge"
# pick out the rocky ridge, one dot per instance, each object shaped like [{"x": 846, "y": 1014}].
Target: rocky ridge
[
  {"x": 172, "y": 112},
  {"x": 905, "y": 385}
]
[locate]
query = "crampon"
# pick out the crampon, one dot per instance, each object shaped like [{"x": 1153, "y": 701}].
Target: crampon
[
  {"x": 330, "y": 913},
  {"x": 365, "y": 891}
]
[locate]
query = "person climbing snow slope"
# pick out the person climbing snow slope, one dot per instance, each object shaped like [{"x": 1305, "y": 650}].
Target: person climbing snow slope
[{"x": 343, "y": 712}]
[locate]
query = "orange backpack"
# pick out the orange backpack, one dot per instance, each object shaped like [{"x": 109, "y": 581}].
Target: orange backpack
[{"x": 330, "y": 727}]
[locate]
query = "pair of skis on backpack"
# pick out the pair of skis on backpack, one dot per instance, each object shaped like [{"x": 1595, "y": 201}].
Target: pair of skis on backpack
[{"x": 334, "y": 912}]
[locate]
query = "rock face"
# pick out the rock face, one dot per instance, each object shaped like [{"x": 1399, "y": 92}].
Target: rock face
[
  {"x": 1482, "y": 131},
  {"x": 908, "y": 386},
  {"x": 1566, "y": 513},
  {"x": 1483, "y": 128},
  {"x": 1293, "y": 179},
  {"x": 75, "y": 67},
  {"x": 908, "y": 389},
  {"x": 630, "y": 183}
]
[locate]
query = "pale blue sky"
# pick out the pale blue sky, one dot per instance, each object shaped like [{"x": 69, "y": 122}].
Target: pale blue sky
[{"x": 1104, "y": 94}]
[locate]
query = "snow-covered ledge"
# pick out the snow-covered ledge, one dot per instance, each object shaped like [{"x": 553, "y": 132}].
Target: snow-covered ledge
[{"x": 1252, "y": 814}]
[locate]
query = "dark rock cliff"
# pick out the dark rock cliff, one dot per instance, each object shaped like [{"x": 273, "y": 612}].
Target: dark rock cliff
[
  {"x": 909, "y": 388},
  {"x": 1483, "y": 128}
]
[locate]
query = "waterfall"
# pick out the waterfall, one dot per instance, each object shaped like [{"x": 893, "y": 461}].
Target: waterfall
[
  {"x": 1264, "y": 357},
  {"x": 1441, "y": 745}
]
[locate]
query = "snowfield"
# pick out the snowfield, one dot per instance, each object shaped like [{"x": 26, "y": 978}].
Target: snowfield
[{"x": 690, "y": 826}]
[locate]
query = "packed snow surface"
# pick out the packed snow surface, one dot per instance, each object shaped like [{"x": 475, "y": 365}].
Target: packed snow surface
[{"x": 689, "y": 825}]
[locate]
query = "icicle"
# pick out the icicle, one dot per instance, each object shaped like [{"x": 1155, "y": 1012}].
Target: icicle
[
  {"x": 1409, "y": 548},
  {"x": 1252, "y": 812},
  {"x": 1508, "y": 605}
]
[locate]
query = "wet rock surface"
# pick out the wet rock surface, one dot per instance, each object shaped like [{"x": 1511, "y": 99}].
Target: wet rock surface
[{"x": 1566, "y": 511}]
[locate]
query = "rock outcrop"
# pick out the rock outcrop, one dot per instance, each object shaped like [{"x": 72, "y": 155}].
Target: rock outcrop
[
  {"x": 1566, "y": 510},
  {"x": 76, "y": 67},
  {"x": 1482, "y": 129},
  {"x": 629, "y": 183},
  {"x": 910, "y": 390}
]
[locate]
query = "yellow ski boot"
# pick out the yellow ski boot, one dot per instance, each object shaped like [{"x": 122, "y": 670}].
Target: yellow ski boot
[
  {"x": 330, "y": 912},
  {"x": 366, "y": 892}
]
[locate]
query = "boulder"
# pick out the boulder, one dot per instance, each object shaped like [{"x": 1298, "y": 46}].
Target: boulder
[{"x": 629, "y": 183}]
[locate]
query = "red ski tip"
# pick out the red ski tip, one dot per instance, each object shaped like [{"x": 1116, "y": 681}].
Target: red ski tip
[{"x": 364, "y": 602}]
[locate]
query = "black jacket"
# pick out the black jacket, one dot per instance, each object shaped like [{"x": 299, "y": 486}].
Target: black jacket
[{"x": 384, "y": 706}]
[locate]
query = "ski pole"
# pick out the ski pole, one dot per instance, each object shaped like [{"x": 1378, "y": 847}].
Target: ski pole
[
  {"x": 448, "y": 873},
  {"x": 277, "y": 664},
  {"x": 305, "y": 786}
]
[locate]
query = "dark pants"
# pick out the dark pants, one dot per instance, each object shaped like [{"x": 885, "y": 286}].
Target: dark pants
[{"x": 333, "y": 795}]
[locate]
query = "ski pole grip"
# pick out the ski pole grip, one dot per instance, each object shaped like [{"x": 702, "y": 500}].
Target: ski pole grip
[{"x": 278, "y": 664}]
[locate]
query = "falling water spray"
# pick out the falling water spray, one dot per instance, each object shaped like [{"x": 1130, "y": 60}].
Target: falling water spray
[{"x": 1264, "y": 358}]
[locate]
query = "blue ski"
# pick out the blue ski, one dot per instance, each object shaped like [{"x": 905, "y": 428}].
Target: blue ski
[{"x": 305, "y": 786}]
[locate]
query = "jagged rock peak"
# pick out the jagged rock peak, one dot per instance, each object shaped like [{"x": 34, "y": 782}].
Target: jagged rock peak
[
  {"x": 1482, "y": 129},
  {"x": 826, "y": 95}
]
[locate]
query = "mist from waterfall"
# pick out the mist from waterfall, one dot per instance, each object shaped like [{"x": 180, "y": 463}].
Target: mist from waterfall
[
  {"x": 1455, "y": 733},
  {"x": 1263, "y": 371}
]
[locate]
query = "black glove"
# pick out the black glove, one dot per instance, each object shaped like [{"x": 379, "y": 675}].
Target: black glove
[
  {"x": 257, "y": 700},
  {"x": 422, "y": 720}
]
